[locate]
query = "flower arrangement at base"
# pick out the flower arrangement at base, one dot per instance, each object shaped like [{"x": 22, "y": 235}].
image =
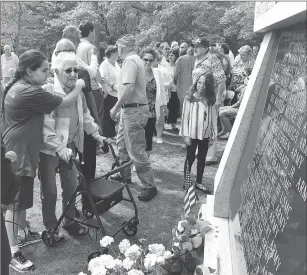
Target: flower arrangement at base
[
  {"x": 188, "y": 244},
  {"x": 132, "y": 259}
]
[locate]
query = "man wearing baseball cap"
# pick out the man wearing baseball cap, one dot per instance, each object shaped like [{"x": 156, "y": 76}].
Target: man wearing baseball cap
[
  {"x": 205, "y": 61},
  {"x": 134, "y": 112}
]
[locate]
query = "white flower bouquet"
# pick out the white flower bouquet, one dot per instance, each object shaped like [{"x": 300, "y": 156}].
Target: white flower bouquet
[{"x": 132, "y": 259}]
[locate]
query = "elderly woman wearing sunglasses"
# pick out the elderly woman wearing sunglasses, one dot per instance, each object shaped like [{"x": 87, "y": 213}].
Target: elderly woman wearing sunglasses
[{"x": 63, "y": 133}]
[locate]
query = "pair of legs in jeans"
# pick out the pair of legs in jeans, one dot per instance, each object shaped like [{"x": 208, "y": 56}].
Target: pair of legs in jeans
[
  {"x": 131, "y": 144},
  {"x": 68, "y": 176},
  {"x": 202, "y": 146}
]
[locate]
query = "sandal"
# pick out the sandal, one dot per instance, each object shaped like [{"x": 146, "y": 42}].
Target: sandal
[
  {"x": 202, "y": 188},
  {"x": 76, "y": 229}
]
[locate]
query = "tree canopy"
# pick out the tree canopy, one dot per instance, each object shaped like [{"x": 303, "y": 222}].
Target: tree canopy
[{"x": 39, "y": 25}]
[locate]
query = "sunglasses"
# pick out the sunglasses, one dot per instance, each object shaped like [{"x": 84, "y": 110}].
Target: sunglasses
[
  {"x": 67, "y": 51},
  {"x": 69, "y": 70},
  {"x": 148, "y": 60}
]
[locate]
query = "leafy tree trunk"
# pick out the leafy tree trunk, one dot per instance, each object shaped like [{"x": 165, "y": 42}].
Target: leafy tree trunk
[{"x": 97, "y": 31}]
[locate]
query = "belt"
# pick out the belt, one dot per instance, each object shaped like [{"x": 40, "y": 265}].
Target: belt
[{"x": 133, "y": 105}]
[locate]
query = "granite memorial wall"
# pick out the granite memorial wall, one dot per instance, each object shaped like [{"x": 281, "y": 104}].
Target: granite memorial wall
[{"x": 272, "y": 200}]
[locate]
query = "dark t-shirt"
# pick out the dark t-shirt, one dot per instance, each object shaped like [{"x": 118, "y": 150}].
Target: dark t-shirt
[{"x": 24, "y": 109}]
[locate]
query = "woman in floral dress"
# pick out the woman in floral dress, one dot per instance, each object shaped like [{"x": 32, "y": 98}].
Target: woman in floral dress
[{"x": 156, "y": 94}]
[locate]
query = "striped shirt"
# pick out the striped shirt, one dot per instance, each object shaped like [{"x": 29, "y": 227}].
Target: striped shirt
[{"x": 197, "y": 120}]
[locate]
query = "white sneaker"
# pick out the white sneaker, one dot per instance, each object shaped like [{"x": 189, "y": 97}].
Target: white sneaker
[
  {"x": 159, "y": 140},
  {"x": 20, "y": 263}
]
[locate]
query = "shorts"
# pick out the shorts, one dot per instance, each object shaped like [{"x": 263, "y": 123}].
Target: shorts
[{"x": 24, "y": 196}]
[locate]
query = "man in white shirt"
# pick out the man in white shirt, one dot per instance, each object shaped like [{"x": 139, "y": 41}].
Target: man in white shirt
[{"x": 9, "y": 60}]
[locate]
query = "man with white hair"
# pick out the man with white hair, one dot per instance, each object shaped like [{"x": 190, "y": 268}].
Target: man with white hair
[
  {"x": 9, "y": 60},
  {"x": 134, "y": 112},
  {"x": 63, "y": 132}
]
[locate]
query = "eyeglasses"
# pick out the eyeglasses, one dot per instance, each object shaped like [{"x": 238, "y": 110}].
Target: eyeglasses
[
  {"x": 67, "y": 51},
  {"x": 167, "y": 49},
  {"x": 70, "y": 70},
  {"x": 148, "y": 60}
]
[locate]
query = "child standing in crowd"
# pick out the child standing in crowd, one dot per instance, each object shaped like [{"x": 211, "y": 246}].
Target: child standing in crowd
[{"x": 198, "y": 116}]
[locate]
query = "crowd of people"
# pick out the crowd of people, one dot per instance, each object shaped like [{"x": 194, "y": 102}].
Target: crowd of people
[{"x": 78, "y": 105}]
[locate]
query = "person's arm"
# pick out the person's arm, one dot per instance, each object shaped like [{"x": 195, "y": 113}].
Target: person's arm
[
  {"x": 221, "y": 87},
  {"x": 104, "y": 73},
  {"x": 129, "y": 74},
  {"x": 213, "y": 118},
  {"x": 184, "y": 129},
  {"x": 51, "y": 140},
  {"x": 164, "y": 97},
  {"x": 220, "y": 78},
  {"x": 93, "y": 67},
  {"x": 90, "y": 101},
  {"x": 43, "y": 100},
  {"x": 129, "y": 88},
  {"x": 177, "y": 71},
  {"x": 73, "y": 95},
  {"x": 16, "y": 61},
  {"x": 238, "y": 103}
]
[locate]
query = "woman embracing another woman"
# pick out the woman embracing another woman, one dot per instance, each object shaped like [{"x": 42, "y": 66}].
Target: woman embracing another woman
[{"x": 198, "y": 116}]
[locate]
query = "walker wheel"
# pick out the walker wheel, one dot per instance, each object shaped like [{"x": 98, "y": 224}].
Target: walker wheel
[
  {"x": 86, "y": 213},
  {"x": 130, "y": 229},
  {"x": 48, "y": 238}
]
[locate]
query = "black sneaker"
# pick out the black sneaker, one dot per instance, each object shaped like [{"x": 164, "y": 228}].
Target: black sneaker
[
  {"x": 148, "y": 194},
  {"x": 20, "y": 263}
]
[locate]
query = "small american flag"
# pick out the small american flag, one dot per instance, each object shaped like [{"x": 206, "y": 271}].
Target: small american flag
[{"x": 190, "y": 197}]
